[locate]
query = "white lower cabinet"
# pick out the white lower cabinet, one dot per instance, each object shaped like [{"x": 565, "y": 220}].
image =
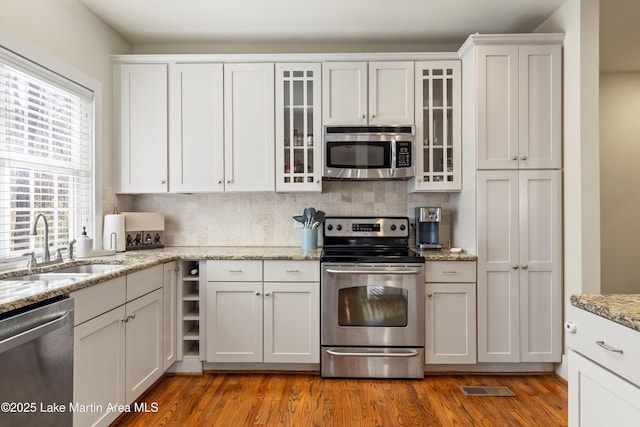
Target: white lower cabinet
[
  {"x": 144, "y": 360},
  {"x": 234, "y": 321},
  {"x": 99, "y": 368},
  {"x": 450, "y": 312},
  {"x": 117, "y": 344},
  {"x": 597, "y": 397},
  {"x": 519, "y": 266},
  {"x": 604, "y": 375},
  {"x": 252, "y": 319}
]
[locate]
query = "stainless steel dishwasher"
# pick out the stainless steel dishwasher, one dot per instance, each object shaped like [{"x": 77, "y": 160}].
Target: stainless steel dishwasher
[{"x": 36, "y": 365}]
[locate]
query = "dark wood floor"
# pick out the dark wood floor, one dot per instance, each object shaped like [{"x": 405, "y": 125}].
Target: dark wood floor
[{"x": 300, "y": 400}]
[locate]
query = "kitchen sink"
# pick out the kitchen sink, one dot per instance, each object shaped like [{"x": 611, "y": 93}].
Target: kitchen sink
[
  {"x": 86, "y": 269},
  {"x": 66, "y": 273},
  {"x": 49, "y": 277}
]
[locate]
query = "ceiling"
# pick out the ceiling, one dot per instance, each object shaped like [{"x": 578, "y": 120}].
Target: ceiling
[
  {"x": 385, "y": 22},
  {"x": 206, "y": 21}
]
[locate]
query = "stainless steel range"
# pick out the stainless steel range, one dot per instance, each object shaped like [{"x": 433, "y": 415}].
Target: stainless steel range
[{"x": 372, "y": 299}]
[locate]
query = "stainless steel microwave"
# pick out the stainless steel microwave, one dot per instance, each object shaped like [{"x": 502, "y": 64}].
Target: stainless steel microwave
[{"x": 368, "y": 152}]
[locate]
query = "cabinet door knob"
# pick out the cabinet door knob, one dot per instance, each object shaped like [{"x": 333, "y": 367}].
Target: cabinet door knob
[
  {"x": 515, "y": 157},
  {"x": 220, "y": 182},
  {"x": 430, "y": 294},
  {"x": 525, "y": 266},
  {"x": 266, "y": 294},
  {"x": 229, "y": 181},
  {"x": 258, "y": 293},
  {"x": 163, "y": 182},
  {"x": 515, "y": 266},
  {"x": 373, "y": 116},
  {"x": 524, "y": 157},
  {"x": 363, "y": 117}
]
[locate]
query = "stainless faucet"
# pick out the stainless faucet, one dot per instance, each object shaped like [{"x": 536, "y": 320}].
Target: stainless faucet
[{"x": 46, "y": 256}]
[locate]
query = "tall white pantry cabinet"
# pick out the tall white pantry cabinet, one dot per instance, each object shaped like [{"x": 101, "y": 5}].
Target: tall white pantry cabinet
[{"x": 510, "y": 208}]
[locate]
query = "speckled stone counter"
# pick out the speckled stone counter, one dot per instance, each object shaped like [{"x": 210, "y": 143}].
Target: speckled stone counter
[
  {"x": 446, "y": 255},
  {"x": 623, "y": 309},
  {"x": 16, "y": 294}
]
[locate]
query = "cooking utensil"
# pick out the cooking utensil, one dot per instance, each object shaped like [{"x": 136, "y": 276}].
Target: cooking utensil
[{"x": 310, "y": 218}]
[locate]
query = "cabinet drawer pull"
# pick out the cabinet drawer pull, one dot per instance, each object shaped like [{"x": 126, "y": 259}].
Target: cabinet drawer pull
[
  {"x": 235, "y": 271},
  {"x": 608, "y": 347},
  {"x": 450, "y": 272},
  {"x": 293, "y": 271}
]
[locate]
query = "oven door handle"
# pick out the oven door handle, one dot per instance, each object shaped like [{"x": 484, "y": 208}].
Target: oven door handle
[
  {"x": 413, "y": 271},
  {"x": 411, "y": 353}
]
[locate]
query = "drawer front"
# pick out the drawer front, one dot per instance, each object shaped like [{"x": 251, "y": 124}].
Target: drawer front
[
  {"x": 450, "y": 271},
  {"x": 234, "y": 271},
  {"x": 592, "y": 333},
  {"x": 144, "y": 281},
  {"x": 98, "y": 299},
  {"x": 291, "y": 271}
]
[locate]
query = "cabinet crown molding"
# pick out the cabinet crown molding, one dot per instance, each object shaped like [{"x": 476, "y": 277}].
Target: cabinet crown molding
[
  {"x": 279, "y": 57},
  {"x": 519, "y": 39}
]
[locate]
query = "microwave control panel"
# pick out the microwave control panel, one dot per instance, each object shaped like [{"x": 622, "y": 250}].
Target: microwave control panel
[{"x": 403, "y": 154}]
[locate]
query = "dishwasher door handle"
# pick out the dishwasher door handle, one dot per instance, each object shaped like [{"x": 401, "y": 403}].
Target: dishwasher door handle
[{"x": 33, "y": 333}]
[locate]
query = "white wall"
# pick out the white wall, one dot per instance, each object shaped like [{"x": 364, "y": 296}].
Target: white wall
[
  {"x": 579, "y": 20},
  {"x": 620, "y": 179},
  {"x": 68, "y": 31}
]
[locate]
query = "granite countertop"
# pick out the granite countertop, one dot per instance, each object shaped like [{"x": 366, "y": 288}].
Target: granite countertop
[
  {"x": 620, "y": 308},
  {"x": 16, "y": 294},
  {"x": 446, "y": 255}
]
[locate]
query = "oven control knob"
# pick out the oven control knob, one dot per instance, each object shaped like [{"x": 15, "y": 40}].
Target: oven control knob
[
  {"x": 402, "y": 227},
  {"x": 329, "y": 227},
  {"x": 393, "y": 227},
  {"x": 339, "y": 227}
]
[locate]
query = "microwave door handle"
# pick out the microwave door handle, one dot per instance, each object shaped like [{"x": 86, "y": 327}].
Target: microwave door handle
[
  {"x": 412, "y": 271},
  {"x": 394, "y": 152}
]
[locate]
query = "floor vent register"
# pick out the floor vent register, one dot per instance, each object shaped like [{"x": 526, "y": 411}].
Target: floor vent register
[{"x": 486, "y": 391}]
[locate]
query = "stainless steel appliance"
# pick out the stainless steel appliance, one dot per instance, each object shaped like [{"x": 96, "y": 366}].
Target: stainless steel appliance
[
  {"x": 427, "y": 228},
  {"x": 372, "y": 299},
  {"x": 36, "y": 365},
  {"x": 368, "y": 152}
]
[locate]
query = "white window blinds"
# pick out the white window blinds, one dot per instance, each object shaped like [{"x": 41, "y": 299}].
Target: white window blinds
[{"x": 46, "y": 156}]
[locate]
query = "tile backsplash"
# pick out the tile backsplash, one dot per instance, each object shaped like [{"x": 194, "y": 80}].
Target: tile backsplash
[{"x": 265, "y": 219}]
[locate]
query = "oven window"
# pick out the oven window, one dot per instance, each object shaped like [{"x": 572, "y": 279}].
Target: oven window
[
  {"x": 359, "y": 155},
  {"x": 381, "y": 306}
]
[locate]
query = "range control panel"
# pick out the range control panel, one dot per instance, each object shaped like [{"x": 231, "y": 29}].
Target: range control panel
[{"x": 366, "y": 227}]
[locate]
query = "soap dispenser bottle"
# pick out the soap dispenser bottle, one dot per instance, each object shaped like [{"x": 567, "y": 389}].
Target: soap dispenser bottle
[{"x": 85, "y": 244}]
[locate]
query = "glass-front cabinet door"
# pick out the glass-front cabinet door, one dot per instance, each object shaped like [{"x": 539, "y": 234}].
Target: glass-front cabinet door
[
  {"x": 298, "y": 127},
  {"x": 438, "y": 126}
]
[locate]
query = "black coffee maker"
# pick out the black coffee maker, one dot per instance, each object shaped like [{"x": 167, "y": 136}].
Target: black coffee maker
[{"x": 427, "y": 226}]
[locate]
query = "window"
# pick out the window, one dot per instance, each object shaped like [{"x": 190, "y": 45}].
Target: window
[{"x": 46, "y": 156}]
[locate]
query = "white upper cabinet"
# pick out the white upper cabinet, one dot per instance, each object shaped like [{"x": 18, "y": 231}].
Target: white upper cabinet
[
  {"x": 438, "y": 122},
  {"x": 379, "y": 93},
  {"x": 249, "y": 138},
  {"x": 518, "y": 106},
  {"x": 298, "y": 127},
  {"x": 196, "y": 140},
  {"x": 344, "y": 93},
  {"x": 141, "y": 127},
  {"x": 391, "y": 93}
]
